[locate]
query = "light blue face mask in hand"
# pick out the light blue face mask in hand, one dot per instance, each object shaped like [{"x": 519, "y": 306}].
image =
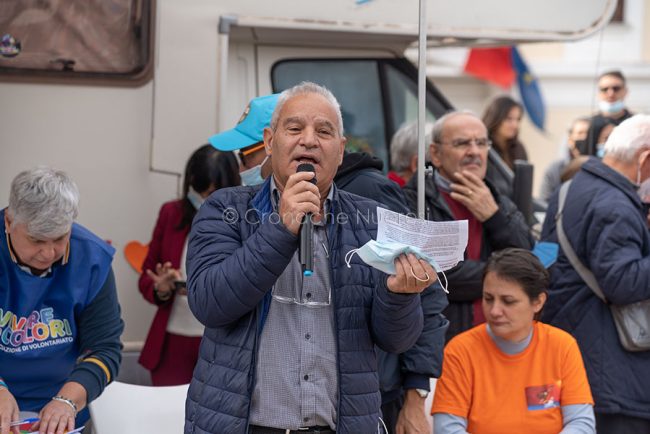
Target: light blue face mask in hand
[{"x": 382, "y": 255}]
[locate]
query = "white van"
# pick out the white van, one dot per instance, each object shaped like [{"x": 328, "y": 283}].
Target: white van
[{"x": 119, "y": 92}]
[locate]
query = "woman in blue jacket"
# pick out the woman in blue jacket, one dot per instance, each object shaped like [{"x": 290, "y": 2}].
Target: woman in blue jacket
[{"x": 60, "y": 322}]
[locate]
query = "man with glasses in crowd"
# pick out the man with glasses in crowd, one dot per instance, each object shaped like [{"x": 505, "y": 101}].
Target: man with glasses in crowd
[
  {"x": 457, "y": 190},
  {"x": 612, "y": 90},
  {"x": 284, "y": 351}
]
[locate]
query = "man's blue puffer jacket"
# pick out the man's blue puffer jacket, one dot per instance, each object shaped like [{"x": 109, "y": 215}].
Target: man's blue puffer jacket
[{"x": 237, "y": 250}]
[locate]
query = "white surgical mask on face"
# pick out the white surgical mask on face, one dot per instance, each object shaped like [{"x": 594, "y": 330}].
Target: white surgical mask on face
[
  {"x": 195, "y": 198},
  {"x": 253, "y": 176},
  {"x": 611, "y": 107},
  {"x": 382, "y": 255}
]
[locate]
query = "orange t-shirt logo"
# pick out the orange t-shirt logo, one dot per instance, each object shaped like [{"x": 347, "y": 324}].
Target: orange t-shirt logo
[{"x": 542, "y": 397}]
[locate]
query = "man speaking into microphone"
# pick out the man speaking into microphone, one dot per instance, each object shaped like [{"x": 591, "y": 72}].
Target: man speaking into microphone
[
  {"x": 285, "y": 352},
  {"x": 306, "y": 252}
]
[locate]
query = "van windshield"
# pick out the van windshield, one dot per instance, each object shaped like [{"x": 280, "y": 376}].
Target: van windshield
[{"x": 376, "y": 95}]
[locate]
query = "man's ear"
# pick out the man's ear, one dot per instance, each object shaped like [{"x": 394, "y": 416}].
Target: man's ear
[
  {"x": 434, "y": 153},
  {"x": 344, "y": 140},
  {"x": 643, "y": 160},
  {"x": 268, "y": 140},
  {"x": 413, "y": 166},
  {"x": 267, "y": 168}
]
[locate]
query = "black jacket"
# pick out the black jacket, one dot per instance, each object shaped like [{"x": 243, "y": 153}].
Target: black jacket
[
  {"x": 506, "y": 228},
  {"x": 361, "y": 174}
]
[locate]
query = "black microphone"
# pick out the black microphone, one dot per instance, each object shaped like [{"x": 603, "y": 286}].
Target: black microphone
[{"x": 306, "y": 251}]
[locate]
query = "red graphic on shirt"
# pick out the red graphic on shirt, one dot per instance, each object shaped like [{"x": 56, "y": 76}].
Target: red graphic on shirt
[{"x": 541, "y": 397}]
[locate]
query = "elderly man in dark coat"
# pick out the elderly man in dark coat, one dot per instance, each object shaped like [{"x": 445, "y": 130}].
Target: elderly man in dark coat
[{"x": 606, "y": 225}]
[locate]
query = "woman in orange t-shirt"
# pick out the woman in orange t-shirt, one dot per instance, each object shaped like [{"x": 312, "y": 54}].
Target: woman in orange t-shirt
[{"x": 513, "y": 374}]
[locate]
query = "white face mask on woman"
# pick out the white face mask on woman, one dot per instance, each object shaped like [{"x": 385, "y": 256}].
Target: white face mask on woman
[
  {"x": 253, "y": 176},
  {"x": 195, "y": 198}
]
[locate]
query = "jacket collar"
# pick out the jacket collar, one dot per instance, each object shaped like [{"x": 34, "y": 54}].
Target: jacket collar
[
  {"x": 430, "y": 190},
  {"x": 261, "y": 202},
  {"x": 595, "y": 167},
  {"x": 431, "y": 194}
]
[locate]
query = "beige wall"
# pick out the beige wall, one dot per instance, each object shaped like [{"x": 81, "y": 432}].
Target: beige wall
[{"x": 546, "y": 51}]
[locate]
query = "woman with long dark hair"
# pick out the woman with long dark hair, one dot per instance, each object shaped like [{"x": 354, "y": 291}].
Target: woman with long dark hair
[
  {"x": 502, "y": 119},
  {"x": 171, "y": 349}
]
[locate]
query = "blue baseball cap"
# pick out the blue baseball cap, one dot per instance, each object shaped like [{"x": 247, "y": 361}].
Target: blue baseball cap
[{"x": 250, "y": 128}]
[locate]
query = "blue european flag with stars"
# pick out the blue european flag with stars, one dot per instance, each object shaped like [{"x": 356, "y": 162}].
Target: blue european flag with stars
[{"x": 529, "y": 90}]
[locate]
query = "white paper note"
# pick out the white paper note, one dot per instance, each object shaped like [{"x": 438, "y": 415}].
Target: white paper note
[{"x": 443, "y": 241}]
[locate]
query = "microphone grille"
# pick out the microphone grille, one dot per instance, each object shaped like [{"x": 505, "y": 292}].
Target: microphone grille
[{"x": 305, "y": 167}]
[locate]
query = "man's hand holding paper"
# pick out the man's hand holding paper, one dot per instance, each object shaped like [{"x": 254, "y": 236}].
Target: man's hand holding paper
[
  {"x": 439, "y": 245},
  {"x": 444, "y": 242}
]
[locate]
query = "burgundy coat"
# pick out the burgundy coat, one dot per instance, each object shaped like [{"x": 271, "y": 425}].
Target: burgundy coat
[{"x": 166, "y": 245}]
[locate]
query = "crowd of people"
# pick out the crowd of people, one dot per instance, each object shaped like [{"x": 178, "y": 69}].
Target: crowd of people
[
  {"x": 586, "y": 135},
  {"x": 270, "y": 346}
]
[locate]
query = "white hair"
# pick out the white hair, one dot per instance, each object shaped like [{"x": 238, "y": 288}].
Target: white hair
[
  {"x": 439, "y": 124},
  {"x": 45, "y": 200},
  {"x": 628, "y": 138},
  {"x": 404, "y": 144},
  {"x": 304, "y": 88}
]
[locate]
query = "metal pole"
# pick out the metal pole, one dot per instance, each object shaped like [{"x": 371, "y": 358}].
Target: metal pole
[
  {"x": 422, "y": 76},
  {"x": 225, "y": 23}
]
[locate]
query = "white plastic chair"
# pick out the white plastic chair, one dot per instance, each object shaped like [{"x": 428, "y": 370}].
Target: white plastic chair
[{"x": 129, "y": 408}]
